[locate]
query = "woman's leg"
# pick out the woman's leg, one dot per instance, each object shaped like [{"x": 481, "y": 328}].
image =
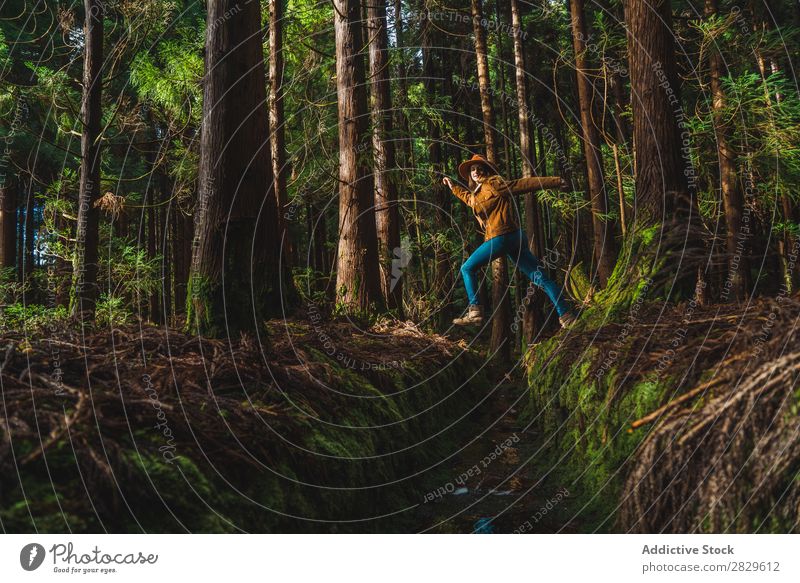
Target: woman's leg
[
  {"x": 519, "y": 252},
  {"x": 488, "y": 250}
]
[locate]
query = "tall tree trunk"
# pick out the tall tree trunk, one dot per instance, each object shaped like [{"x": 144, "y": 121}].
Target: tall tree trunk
[
  {"x": 441, "y": 195},
  {"x": 164, "y": 246},
  {"x": 787, "y": 242},
  {"x": 660, "y": 178},
  {"x": 152, "y": 250},
  {"x": 664, "y": 200},
  {"x": 500, "y": 63},
  {"x": 8, "y": 224},
  {"x": 501, "y": 302},
  {"x": 387, "y": 214},
  {"x": 277, "y": 120},
  {"x": 604, "y": 245},
  {"x": 484, "y": 82},
  {"x": 357, "y": 274},
  {"x": 404, "y": 150},
  {"x": 84, "y": 291},
  {"x": 181, "y": 255},
  {"x": 622, "y": 138},
  {"x": 541, "y": 158},
  {"x": 63, "y": 267},
  {"x": 615, "y": 105},
  {"x": 732, "y": 200},
  {"x": 235, "y": 276},
  {"x": 534, "y": 306},
  {"x": 29, "y": 230},
  {"x": 316, "y": 228},
  {"x": 21, "y": 245}
]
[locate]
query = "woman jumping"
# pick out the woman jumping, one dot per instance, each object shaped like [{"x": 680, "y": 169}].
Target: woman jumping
[{"x": 493, "y": 207}]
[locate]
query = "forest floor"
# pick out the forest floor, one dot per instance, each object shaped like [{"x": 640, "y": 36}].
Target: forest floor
[
  {"x": 497, "y": 484},
  {"x": 321, "y": 426},
  {"x": 333, "y": 426}
]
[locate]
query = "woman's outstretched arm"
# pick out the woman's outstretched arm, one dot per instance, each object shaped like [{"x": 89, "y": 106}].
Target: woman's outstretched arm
[
  {"x": 465, "y": 195},
  {"x": 533, "y": 183}
]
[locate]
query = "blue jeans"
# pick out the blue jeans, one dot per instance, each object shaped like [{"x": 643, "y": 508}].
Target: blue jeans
[{"x": 515, "y": 246}]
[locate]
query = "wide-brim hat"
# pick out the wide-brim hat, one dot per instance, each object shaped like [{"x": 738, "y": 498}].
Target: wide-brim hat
[{"x": 465, "y": 167}]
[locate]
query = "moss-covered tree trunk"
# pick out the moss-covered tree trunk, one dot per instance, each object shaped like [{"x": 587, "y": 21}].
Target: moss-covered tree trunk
[
  {"x": 664, "y": 246},
  {"x": 235, "y": 275}
]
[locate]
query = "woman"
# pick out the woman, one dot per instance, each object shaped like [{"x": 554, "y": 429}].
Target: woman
[{"x": 492, "y": 203}]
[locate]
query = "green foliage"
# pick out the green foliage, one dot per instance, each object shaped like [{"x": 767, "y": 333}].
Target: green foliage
[
  {"x": 169, "y": 78},
  {"x": 307, "y": 281},
  {"x": 130, "y": 272},
  {"x": 11, "y": 290},
  {"x": 565, "y": 204},
  {"x": 111, "y": 311},
  {"x": 32, "y": 318}
]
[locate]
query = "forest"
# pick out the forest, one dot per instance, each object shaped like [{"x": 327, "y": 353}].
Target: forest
[{"x": 234, "y": 239}]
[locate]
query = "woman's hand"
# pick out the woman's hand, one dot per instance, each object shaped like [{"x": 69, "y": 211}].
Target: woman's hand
[{"x": 447, "y": 182}]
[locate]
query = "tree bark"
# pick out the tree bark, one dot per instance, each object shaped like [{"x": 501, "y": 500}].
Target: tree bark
[
  {"x": 181, "y": 255},
  {"x": 501, "y": 302},
  {"x": 235, "y": 275},
  {"x": 622, "y": 132},
  {"x": 29, "y": 230},
  {"x": 604, "y": 245},
  {"x": 83, "y": 297},
  {"x": 277, "y": 120},
  {"x": 405, "y": 153},
  {"x": 664, "y": 199},
  {"x": 8, "y": 224},
  {"x": 357, "y": 275},
  {"x": 787, "y": 242},
  {"x": 732, "y": 200},
  {"x": 387, "y": 214},
  {"x": 164, "y": 247},
  {"x": 534, "y": 305},
  {"x": 442, "y": 279},
  {"x": 21, "y": 245},
  {"x": 660, "y": 178},
  {"x": 152, "y": 251},
  {"x": 484, "y": 82}
]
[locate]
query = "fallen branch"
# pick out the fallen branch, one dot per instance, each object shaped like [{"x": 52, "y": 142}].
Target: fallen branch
[{"x": 650, "y": 417}]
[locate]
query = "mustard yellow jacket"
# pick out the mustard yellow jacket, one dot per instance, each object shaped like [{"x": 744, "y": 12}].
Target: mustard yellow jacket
[{"x": 493, "y": 205}]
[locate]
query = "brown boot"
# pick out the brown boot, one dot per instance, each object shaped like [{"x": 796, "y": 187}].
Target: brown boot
[{"x": 474, "y": 316}]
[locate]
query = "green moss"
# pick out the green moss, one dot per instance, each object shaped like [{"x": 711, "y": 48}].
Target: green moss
[
  {"x": 587, "y": 424},
  {"x": 200, "y": 307},
  {"x": 190, "y": 492}
]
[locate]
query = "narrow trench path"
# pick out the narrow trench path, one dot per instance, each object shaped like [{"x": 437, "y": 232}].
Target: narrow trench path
[{"x": 494, "y": 486}]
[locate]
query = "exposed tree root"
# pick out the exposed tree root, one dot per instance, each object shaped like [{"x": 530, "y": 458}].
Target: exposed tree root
[
  {"x": 678, "y": 418},
  {"x": 719, "y": 467}
]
